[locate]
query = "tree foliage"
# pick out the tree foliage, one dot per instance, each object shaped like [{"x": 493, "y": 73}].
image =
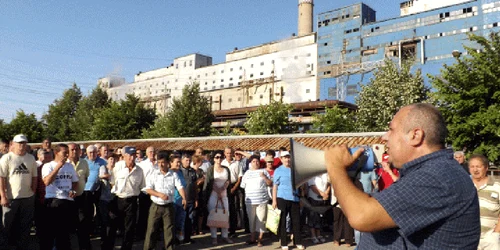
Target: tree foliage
[
  {"x": 391, "y": 88},
  {"x": 60, "y": 113},
  {"x": 270, "y": 119},
  {"x": 26, "y": 124},
  {"x": 89, "y": 106},
  {"x": 189, "y": 116},
  {"x": 468, "y": 95},
  {"x": 122, "y": 120},
  {"x": 334, "y": 120}
]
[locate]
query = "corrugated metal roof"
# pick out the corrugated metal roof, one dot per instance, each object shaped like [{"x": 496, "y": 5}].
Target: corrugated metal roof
[{"x": 246, "y": 143}]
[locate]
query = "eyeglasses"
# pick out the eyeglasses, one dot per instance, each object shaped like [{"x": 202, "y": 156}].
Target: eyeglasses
[{"x": 217, "y": 157}]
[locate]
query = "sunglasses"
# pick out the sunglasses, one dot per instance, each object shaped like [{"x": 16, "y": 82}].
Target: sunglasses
[
  {"x": 217, "y": 157},
  {"x": 270, "y": 162}
]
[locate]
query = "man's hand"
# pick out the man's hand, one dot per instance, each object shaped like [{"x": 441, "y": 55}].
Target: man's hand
[
  {"x": 338, "y": 157},
  {"x": 163, "y": 197},
  {"x": 60, "y": 164},
  {"x": 275, "y": 204},
  {"x": 72, "y": 194},
  {"x": 184, "y": 204},
  {"x": 196, "y": 204},
  {"x": 4, "y": 202},
  {"x": 386, "y": 166},
  {"x": 233, "y": 190}
]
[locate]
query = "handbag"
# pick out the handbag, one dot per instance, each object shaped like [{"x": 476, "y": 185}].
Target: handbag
[
  {"x": 273, "y": 219},
  {"x": 218, "y": 218}
]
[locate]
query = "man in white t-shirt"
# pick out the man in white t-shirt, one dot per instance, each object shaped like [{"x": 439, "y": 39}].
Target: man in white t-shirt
[
  {"x": 319, "y": 194},
  {"x": 233, "y": 197},
  {"x": 148, "y": 167},
  {"x": 61, "y": 182},
  {"x": 18, "y": 181}
]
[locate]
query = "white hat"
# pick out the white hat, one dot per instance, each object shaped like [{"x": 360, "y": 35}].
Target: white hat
[
  {"x": 284, "y": 153},
  {"x": 20, "y": 138}
]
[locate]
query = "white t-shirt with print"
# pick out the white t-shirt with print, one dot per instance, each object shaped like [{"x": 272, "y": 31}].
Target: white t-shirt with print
[
  {"x": 19, "y": 171},
  {"x": 63, "y": 182}
]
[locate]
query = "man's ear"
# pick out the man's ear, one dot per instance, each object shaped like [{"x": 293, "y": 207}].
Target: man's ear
[{"x": 415, "y": 137}]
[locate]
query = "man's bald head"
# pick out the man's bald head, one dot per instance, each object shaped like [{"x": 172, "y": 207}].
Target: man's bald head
[{"x": 428, "y": 118}]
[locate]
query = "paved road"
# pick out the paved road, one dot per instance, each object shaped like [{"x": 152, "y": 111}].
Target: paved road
[{"x": 205, "y": 242}]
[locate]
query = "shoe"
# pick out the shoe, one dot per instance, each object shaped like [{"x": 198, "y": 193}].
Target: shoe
[
  {"x": 214, "y": 241},
  {"x": 250, "y": 242},
  {"x": 315, "y": 240},
  {"x": 188, "y": 241},
  {"x": 301, "y": 247},
  {"x": 321, "y": 239},
  {"x": 284, "y": 247},
  {"x": 227, "y": 240},
  {"x": 259, "y": 244},
  {"x": 232, "y": 235},
  {"x": 336, "y": 243}
]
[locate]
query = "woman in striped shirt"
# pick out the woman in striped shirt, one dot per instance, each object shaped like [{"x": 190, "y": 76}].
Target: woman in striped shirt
[{"x": 255, "y": 182}]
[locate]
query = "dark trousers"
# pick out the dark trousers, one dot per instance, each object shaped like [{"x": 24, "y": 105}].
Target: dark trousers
[
  {"x": 80, "y": 223},
  {"x": 59, "y": 214},
  {"x": 160, "y": 215},
  {"x": 142, "y": 220},
  {"x": 91, "y": 204},
  {"x": 40, "y": 217},
  {"x": 341, "y": 227},
  {"x": 123, "y": 209},
  {"x": 105, "y": 221},
  {"x": 233, "y": 217},
  {"x": 292, "y": 208},
  {"x": 189, "y": 221},
  {"x": 243, "y": 210}
]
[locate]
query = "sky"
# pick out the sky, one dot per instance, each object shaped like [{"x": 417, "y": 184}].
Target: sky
[{"x": 46, "y": 46}]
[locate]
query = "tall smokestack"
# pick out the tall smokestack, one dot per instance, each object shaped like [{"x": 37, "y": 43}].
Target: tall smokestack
[{"x": 305, "y": 17}]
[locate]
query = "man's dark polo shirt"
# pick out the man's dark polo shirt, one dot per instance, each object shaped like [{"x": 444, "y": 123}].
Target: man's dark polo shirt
[{"x": 434, "y": 204}]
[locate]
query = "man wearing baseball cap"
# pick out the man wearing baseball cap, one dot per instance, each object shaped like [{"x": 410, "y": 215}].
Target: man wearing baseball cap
[
  {"x": 128, "y": 183},
  {"x": 18, "y": 182}
]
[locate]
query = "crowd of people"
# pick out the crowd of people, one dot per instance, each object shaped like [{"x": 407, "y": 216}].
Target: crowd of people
[{"x": 96, "y": 190}]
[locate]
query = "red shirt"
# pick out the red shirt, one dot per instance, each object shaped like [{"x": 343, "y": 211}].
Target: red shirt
[
  {"x": 385, "y": 179},
  {"x": 276, "y": 163}
]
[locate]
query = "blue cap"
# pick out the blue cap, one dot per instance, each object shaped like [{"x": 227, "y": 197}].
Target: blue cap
[{"x": 129, "y": 150}]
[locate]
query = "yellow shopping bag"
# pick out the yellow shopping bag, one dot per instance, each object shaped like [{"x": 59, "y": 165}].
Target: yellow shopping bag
[{"x": 273, "y": 219}]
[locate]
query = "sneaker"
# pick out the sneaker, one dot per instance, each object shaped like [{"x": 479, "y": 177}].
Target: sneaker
[
  {"x": 321, "y": 239},
  {"x": 301, "y": 247},
  {"x": 315, "y": 240},
  {"x": 284, "y": 248}
]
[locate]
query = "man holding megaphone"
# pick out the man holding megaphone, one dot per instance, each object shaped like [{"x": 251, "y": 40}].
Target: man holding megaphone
[{"x": 433, "y": 205}]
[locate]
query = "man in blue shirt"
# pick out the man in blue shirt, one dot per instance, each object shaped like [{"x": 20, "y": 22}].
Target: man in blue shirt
[
  {"x": 434, "y": 204},
  {"x": 91, "y": 195}
]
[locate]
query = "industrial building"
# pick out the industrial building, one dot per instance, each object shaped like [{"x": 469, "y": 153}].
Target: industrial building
[{"x": 352, "y": 42}]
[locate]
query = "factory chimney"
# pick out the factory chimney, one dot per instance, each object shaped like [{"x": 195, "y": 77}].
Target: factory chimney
[{"x": 305, "y": 17}]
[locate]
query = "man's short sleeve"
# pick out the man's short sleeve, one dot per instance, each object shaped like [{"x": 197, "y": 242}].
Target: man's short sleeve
[
  {"x": 418, "y": 202},
  {"x": 277, "y": 177},
  {"x": 178, "y": 182},
  {"x": 46, "y": 169},
  {"x": 4, "y": 166}
]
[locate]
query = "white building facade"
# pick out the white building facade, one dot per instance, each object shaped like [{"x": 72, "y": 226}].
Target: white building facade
[{"x": 283, "y": 70}]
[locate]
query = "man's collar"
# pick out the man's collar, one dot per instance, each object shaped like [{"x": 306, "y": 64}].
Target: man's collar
[{"x": 409, "y": 166}]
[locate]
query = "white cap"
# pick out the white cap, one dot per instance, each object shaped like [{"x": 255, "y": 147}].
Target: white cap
[
  {"x": 20, "y": 138},
  {"x": 284, "y": 153}
]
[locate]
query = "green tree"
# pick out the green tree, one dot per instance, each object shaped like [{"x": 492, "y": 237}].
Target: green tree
[
  {"x": 28, "y": 125},
  {"x": 468, "y": 95},
  {"x": 89, "y": 106},
  {"x": 122, "y": 120},
  {"x": 390, "y": 88},
  {"x": 334, "y": 120},
  {"x": 270, "y": 119},
  {"x": 4, "y": 130},
  {"x": 189, "y": 116},
  {"x": 60, "y": 113}
]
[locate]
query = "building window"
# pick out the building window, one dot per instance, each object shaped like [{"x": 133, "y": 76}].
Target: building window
[
  {"x": 261, "y": 96},
  {"x": 325, "y": 44},
  {"x": 239, "y": 98},
  {"x": 262, "y": 64},
  {"x": 230, "y": 85},
  {"x": 205, "y": 88},
  {"x": 261, "y": 73},
  {"x": 251, "y": 65},
  {"x": 296, "y": 57},
  {"x": 251, "y": 75},
  {"x": 221, "y": 80},
  {"x": 230, "y": 100},
  {"x": 272, "y": 61},
  {"x": 308, "y": 91},
  {"x": 206, "y": 83},
  {"x": 222, "y": 71},
  {"x": 231, "y": 69},
  {"x": 213, "y": 81},
  {"x": 213, "y": 73},
  {"x": 332, "y": 92},
  {"x": 222, "y": 85},
  {"x": 241, "y": 67},
  {"x": 328, "y": 62},
  {"x": 213, "y": 87},
  {"x": 240, "y": 77},
  {"x": 190, "y": 62},
  {"x": 250, "y": 98}
]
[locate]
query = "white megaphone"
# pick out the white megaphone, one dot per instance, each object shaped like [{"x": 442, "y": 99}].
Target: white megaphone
[{"x": 309, "y": 162}]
